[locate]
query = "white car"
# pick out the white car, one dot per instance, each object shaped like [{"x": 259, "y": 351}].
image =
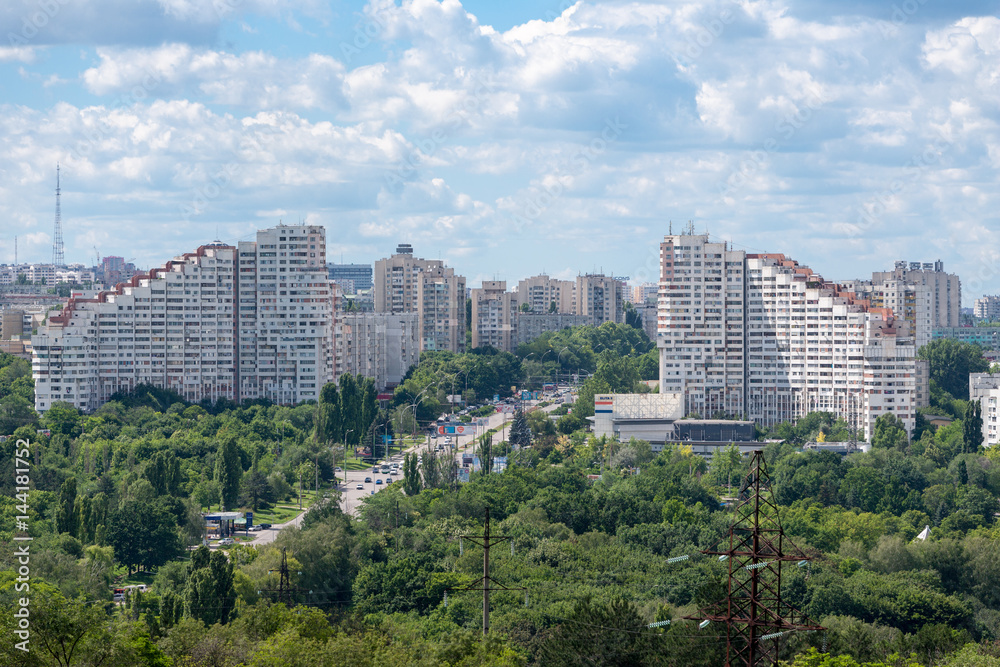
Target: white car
[
  {"x": 254, "y": 529},
  {"x": 360, "y": 487},
  {"x": 227, "y": 542}
]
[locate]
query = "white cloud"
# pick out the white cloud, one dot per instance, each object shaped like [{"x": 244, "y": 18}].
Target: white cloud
[{"x": 770, "y": 122}]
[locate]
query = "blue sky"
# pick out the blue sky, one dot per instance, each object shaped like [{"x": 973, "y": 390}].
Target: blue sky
[{"x": 508, "y": 138}]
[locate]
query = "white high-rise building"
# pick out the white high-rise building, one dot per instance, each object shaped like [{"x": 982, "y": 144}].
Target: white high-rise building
[
  {"x": 194, "y": 327},
  {"x": 494, "y": 310},
  {"x": 987, "y": 308},
  {"x": 761, "y": 337},
  {"x": 945, "y": 288},
  {"x": 381, "y": 346},
  {"x": 408, "y": 284}
]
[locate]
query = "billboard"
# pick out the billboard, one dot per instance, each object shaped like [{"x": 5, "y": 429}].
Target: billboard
[{"x": 452, "y": 429}]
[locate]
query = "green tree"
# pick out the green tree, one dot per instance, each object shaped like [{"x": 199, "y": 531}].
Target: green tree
[
  {"x": 67, "y": 519},
  {"x": 972, "y": 427},
  {"x": 889, "y": 432},
  {"x": 951, "y": 362},
  {"x": 228, "y": 472},
  {"x": 601, "y": 634},
  {"x": 520, "y": 432},
  {"x": 143, "y": 535},
  {"x": 411, "y": 475},
  {"x": 255, "y": 490},
  {"x": 329, "y": 417},
  {"x": 62, "y": 417},
  {"x": 210, "y": 595},
  {"x": 16, "y": 411}
]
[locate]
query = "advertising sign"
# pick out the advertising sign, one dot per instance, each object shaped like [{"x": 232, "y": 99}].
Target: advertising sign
[{"x": 451, "y": 429}]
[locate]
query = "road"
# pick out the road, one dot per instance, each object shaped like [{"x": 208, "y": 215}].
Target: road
[{"x": 351, "y": 496}]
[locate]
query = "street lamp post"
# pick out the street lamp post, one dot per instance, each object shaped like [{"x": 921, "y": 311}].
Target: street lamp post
[{"x": 559, "y": 361}]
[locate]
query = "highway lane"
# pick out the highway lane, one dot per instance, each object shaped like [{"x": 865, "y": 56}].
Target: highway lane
[{"x": 351, "y": 496}]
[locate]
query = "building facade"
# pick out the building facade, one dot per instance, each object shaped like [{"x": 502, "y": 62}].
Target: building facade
[
  {"x": 599, "y": 298},
  {"x": 986, "y": 337},
  {"x": 762, "y": 337},
  {"x": 220, "y": 322},
  {"x": 987, "y": 308},
  {"x": 945, "y": 288},
  {"x": 407, "y": 284},
  {"x": 543, "y": 294},
  {"x": 494, "y": 312},
  {"x": 381, "y": 346},
  {"x": 985, "y": 388},
  {"x": 529, "y": 326},
  {"x": 354, "y": 276}
]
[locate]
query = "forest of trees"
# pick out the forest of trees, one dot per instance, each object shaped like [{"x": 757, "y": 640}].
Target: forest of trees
[{"x": 587, "y": 562}]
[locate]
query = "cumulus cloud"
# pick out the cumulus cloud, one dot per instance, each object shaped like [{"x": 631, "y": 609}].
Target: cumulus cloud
[{"x": 571, "y": 139}]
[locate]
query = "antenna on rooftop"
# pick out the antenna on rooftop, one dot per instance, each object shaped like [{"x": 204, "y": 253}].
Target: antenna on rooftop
[{"x": 58, "y": 256}]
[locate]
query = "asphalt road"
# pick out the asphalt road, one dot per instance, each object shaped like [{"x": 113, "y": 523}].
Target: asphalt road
[{"x": 351, "y": 496}]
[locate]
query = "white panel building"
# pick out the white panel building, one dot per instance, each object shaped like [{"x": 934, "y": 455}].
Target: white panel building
[
  {"x": 194, "y": 327},
  {"x": 761, "y": 337},
  {"x": 381, "y": 346}
]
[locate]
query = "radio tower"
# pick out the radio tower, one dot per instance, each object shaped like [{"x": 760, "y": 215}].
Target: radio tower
[
  {"x": 755, "y": 615},
  {"x": 58, "y": 257}
]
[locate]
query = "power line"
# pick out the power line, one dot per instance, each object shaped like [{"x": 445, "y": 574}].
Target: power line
[
  {"x": 486, "y": 540},
  {"x": 754, "y": 613}
]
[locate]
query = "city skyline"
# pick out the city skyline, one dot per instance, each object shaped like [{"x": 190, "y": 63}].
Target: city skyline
[{"x": 508, "y": 141}]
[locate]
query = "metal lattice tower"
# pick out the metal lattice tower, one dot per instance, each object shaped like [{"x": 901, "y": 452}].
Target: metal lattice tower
[
  {"x": 755, "y": 615},
  {"x": 58, "y": 256}
]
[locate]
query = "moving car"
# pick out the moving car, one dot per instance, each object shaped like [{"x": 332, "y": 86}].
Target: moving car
[
  {"x": 360, "y": 487},
  {"x": 378, "y": 482},
  {"x": 254, "y": 529},
  {"x": 388, "y": 481},
  {"x": 226, "y": 542},
  {"x": 264, "y": 526},
  {"x": 368, "y": 480}
]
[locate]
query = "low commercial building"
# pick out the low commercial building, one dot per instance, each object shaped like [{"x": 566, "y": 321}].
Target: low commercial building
[{"x": 658, "y": 419}]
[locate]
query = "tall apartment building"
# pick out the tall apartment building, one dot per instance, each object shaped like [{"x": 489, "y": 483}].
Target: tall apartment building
[
  {"x": 381, "y": 346},
  {"x": 762, "y": 337},
  {"x": 987, "y": 308},
  {"x": 220, "y": 322},
  {"x": 494, "y": 312},
  {"x": 354, "y": 276},
  {"x": 407, "y": 284},
  {"x": 599, "y": 297},
  {"x": 945, "y": 288},
  {"x": 546, "y": 295},
  {"x": 908, "y": 300},
  {"x": 285, "y": 314}
]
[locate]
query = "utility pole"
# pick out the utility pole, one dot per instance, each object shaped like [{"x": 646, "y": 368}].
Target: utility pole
[
  {"x": 285, "y": 588},
  {"x": 486, "y": 540},
  {"x": 754, "y": 612}
]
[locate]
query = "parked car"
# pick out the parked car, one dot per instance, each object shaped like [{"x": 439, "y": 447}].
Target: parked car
[
  {"x": 227, "y": 542},
  {"x": 337, "y": 469}
]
